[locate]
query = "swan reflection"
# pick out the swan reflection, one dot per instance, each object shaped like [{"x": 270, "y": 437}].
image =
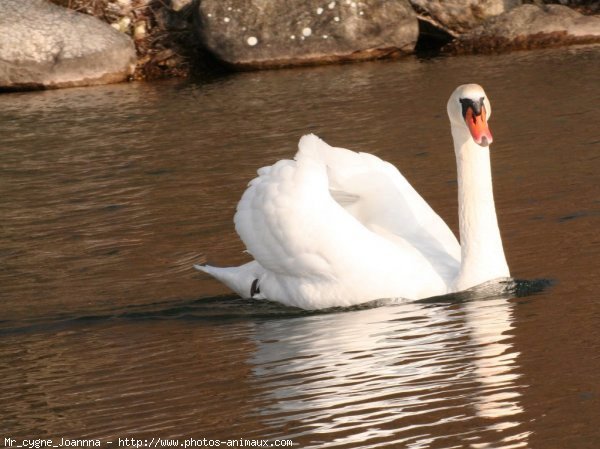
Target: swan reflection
[{"x": 419, "y": 375}]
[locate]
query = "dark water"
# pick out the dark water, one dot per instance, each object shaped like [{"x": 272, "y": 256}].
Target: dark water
[{"x": 108, "y": 195}]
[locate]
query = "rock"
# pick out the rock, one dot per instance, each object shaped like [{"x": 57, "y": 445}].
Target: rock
[
  {"x": 459, "y": 16},
  {"x": 139, "y": 30},
  {"x": 527, "y": 27},
  {"x": 178, "y": 5},
  {"x": 583, "y": 6},
  {"x": 273, "y": 33},
  {"x": 46, "y": 46},
  {"x": 122, "y": 25}
]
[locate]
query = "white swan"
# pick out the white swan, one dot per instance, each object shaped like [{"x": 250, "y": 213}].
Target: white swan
[{"x": 336, "y": 228}]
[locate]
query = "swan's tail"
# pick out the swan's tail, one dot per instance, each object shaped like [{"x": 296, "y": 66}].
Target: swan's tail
[{"x": 244, "y": 280}]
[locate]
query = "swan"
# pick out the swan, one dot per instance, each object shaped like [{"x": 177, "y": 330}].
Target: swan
[{"x": 335, "y": 228}]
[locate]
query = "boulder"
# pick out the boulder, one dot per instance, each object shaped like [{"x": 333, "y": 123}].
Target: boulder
[
  {"x": 527, "y": 27},
  {"x": 273, "y": 33},
  {"x": 43, "y": 45},
  {"x": 583, "y": 6},
  {"x": 459, "y": 16}
]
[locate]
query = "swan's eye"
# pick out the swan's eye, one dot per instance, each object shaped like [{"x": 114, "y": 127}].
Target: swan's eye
[{"x": 467, "y": 103}]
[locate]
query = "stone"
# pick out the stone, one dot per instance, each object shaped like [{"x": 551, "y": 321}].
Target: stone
[
  {"x": 583, "y": 6},
  {"x": 529, "y": 26},
  {"x": 139, "y": 30},
  {"x": 251, "y": 34},
  {"x": 459, "y": 16},
  {"x": 43, "y": 45},
  {"x": 179, "y": 5}
]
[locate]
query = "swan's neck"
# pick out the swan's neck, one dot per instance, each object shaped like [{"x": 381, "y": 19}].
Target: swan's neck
[{"x": 482, "y": 255}]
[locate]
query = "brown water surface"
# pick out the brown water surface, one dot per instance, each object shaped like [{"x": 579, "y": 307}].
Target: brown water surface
[{"x": 108, "y": 195}]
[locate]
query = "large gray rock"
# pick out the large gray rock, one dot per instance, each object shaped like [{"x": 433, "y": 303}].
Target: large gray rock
[
  {"x": 272, "y": 33},
  {"x": 459, "y": 16},
  {"x": 530, "y": 26},
  {"x": 46, "y": 46}
]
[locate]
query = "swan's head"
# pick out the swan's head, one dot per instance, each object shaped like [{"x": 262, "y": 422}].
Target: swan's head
[{"x": 469, "y": 108}]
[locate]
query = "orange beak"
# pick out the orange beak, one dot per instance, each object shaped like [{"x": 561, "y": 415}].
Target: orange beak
[{"x": 478, "y": 127}]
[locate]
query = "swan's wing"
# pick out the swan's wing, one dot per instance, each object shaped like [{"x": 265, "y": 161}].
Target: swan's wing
[
  {"x": 315, "y": 249},
  {"x": 377, "y": 194}
]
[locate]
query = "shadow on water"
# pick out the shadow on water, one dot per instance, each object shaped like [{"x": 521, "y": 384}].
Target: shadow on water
[{"x": 234, "y": 308}]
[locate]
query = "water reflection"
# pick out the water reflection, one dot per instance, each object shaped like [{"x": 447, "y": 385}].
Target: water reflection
[
  {"x": 405, "y": 374},
  {"x": 495, "y": 358}
]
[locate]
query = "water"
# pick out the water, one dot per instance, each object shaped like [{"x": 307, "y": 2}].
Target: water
[{"x": 108, "y": 195}]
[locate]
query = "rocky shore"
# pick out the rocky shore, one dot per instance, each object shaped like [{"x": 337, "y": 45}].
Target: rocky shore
[{"x": 61, "y": 43}]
